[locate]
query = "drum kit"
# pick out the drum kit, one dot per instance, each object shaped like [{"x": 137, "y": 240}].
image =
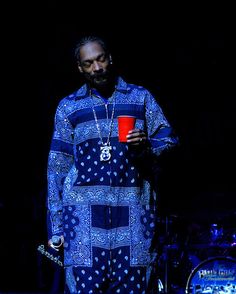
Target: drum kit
[{"x": 197, "y": 257}]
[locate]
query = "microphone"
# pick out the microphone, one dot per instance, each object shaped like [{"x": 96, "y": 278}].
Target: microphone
[{"x": 56, "y": 242}]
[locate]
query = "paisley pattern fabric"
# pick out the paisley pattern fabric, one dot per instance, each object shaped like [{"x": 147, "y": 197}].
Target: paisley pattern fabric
[{"x": 105, "y": 207}]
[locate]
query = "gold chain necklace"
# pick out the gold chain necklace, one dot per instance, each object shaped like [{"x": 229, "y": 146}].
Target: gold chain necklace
[{"x": 106, "y": 148}]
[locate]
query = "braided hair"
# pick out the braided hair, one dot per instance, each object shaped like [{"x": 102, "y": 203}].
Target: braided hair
[{"x": 88, "y": 39}]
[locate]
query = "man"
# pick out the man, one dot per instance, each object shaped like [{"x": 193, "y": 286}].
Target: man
[{"x": 101, "y": 197}]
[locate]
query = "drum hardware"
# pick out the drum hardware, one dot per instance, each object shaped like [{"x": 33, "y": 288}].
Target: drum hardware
[
  {"x": 160, "y": 286},
  {"x": 184, "y": 246},
  {"x": 216, "y": 232},
  {"x": 175, "y": 259}
]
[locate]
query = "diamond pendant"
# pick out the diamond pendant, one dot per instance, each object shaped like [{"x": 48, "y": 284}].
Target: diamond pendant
[{"x": 105, "y": 154}]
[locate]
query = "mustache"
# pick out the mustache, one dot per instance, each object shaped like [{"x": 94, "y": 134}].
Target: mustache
[{"x": 99, "y": 75}]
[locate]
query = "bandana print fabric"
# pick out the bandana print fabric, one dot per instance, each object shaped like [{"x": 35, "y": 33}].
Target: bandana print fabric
[{"x": 106, "y": 210}]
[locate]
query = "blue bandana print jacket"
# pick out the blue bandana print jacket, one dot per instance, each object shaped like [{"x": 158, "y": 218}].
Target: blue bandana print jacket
[{"x": 84, "y": 192}]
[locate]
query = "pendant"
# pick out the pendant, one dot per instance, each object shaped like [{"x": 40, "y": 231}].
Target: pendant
[{"x": 105, "y": 154}]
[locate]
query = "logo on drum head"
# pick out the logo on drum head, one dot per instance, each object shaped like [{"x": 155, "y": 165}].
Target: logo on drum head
[{"x": 214, "y": 275}]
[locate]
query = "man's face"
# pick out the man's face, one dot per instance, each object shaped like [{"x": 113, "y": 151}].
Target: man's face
[{"x": 94, "y": 64}]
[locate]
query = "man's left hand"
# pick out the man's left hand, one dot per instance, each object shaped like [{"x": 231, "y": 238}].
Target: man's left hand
[{"x": 136, "y": 137}]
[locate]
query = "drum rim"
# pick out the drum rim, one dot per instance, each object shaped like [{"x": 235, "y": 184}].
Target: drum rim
[{"x": 221, "y": 257}]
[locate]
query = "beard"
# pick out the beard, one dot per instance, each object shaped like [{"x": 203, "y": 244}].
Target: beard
[{"x": 99, "y": 80}]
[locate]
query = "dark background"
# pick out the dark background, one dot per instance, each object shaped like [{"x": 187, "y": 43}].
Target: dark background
[{"x": 184, "y": 55}]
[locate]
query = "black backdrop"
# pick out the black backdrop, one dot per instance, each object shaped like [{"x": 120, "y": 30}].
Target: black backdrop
[{"x": 184, "y": 55}]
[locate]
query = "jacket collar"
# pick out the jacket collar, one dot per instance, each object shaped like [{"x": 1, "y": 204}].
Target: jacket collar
[{"x": 84, "y": 90}]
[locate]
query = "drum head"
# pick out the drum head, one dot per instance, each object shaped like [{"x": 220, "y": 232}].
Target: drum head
[{"x": 214, "y": 275}]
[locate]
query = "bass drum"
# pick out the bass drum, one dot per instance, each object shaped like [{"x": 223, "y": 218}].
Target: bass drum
[{"x": 215, "y": 275}]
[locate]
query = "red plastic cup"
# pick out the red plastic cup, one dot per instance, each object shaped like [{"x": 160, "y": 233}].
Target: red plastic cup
[{"x": 125, "y": 124}]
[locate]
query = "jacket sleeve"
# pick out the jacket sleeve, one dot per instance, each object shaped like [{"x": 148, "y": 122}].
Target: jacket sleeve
[
  {"x": 160, "y": 139},
  {"x": 160, "y": 134},
  {"x": 60, "y": 160}
]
